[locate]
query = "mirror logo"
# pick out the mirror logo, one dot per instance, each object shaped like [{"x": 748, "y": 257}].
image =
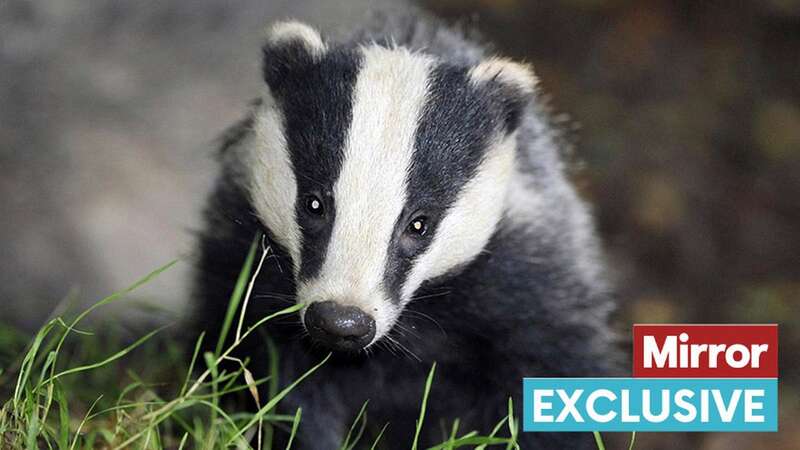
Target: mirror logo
[{"x": 685, "y": 378}]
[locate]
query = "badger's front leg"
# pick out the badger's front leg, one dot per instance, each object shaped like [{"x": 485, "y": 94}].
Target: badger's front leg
[
  {"x": 324, "y": 420},
  {"x": 331, "y": 398}
]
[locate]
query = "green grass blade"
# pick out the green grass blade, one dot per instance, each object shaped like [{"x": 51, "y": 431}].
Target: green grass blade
[
  {"x": 51, "y": 359},
  {"x": 63, "y": 417},
  {"x": 494, "y": 432},
  {"x": 189, "y": 372},
  {"x": 109, "y": 299},
  {"x": 347, "y": 445},
  {"x": 472, "y": 441},
  {"x": 599, "y": 440},
  {"x": 274, "y": 400},
  {"x": 236, "y": 296},
  {"x": 295, "y": 425},
  {"x": 513, "y": 426},
  {"x": 89, "y": 440},
  {"x": 124, "y": 407},
  {"x": 27, "y": 363},
  {"x": 272, "y": 387},
  {"x": 219, "y": 411},
  {"x": 32, "y": 433},
  {"x": 292, "y": 309},
  {"x": 108, "y": 360},
  {"x": 453, "y": 433},
  {"x": 154, "y": 415},
  {"x": 379, "y": 436},
  {"x": 633, "y": 440},
  {"x": 183, "y": 440},
  {"x": 272, "y": 350},
  {"x": 83, "y": 422},
  {"x": 265, "y": 251},
  {"x": 117, "y": 295},
  {"x": 421, "y": 419},
  {"x": 211, "y": 363}
]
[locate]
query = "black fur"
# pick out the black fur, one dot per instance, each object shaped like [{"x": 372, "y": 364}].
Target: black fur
[
  {"x": 524, "y": 307},
  {"x": 318, "y": 93},
  {"x": 454, "y": 131}
]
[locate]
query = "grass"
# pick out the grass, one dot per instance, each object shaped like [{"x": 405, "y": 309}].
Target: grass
[{"x": 70, "y": 388}]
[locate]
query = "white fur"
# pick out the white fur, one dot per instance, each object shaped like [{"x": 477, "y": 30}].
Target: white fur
[
  {"x": 505, "y": 71},
  {"x": 284, "y": 32},
  {"x": 523, "y": 203},
  {"x": 471, "y": 221},
  {"x": 272, "y": 184},
  {"x": 370, "y": 193},
  {"x": 390, "y": 93},
  {"x": 530, "y": 209}
]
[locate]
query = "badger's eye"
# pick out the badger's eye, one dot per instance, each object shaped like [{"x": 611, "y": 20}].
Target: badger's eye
[
  {"x": 314, "y": 205},
  {"x": 418, "y": 226}
]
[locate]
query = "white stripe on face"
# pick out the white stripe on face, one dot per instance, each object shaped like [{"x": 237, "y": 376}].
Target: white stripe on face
[
  {"x": 273, "y": 188},
  {"x": 369, "y": 194},
  {"x": 470, "y": 222}
]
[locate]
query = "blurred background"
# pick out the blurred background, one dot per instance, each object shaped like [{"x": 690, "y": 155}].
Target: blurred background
[{"x": 685, "y": 119}]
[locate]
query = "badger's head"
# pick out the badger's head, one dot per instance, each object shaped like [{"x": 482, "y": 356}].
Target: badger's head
[{"x": 378, "y": 169}]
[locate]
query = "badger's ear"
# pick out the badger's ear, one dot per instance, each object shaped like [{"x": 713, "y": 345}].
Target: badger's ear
[
  {"x": 289, "y": 45},
  {"x": 512, "y": 83}
]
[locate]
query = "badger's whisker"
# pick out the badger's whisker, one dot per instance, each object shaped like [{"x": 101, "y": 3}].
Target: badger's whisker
[
  {"x": 390, "y": 346},
  {"x": 281, "y": 299},
  {"x": 310, "y": 178},
  {"x": 368, "y": 351},
  {"x": 433, "y": 295},
  {"x": 402, "y": 347},
  {"x": 422, "y": 315},
  {"x": 402, "y": 329}
]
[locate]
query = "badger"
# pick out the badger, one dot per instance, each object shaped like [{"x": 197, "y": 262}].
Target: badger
[{"x": 411, "y": 190}]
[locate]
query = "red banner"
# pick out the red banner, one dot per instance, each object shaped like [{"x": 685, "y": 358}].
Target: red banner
[{"x": 705, "y": 351}]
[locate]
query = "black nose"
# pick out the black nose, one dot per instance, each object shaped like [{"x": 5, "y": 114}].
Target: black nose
[{"x": 339, "y": 327}]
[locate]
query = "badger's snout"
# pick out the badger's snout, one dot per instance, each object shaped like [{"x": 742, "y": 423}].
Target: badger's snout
[{"x": 339, "y": 327}]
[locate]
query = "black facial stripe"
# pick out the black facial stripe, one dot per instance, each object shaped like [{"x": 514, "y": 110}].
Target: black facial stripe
[
  {"x": 457, "y": 124},
  {"x": 316, "y": 101}
]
